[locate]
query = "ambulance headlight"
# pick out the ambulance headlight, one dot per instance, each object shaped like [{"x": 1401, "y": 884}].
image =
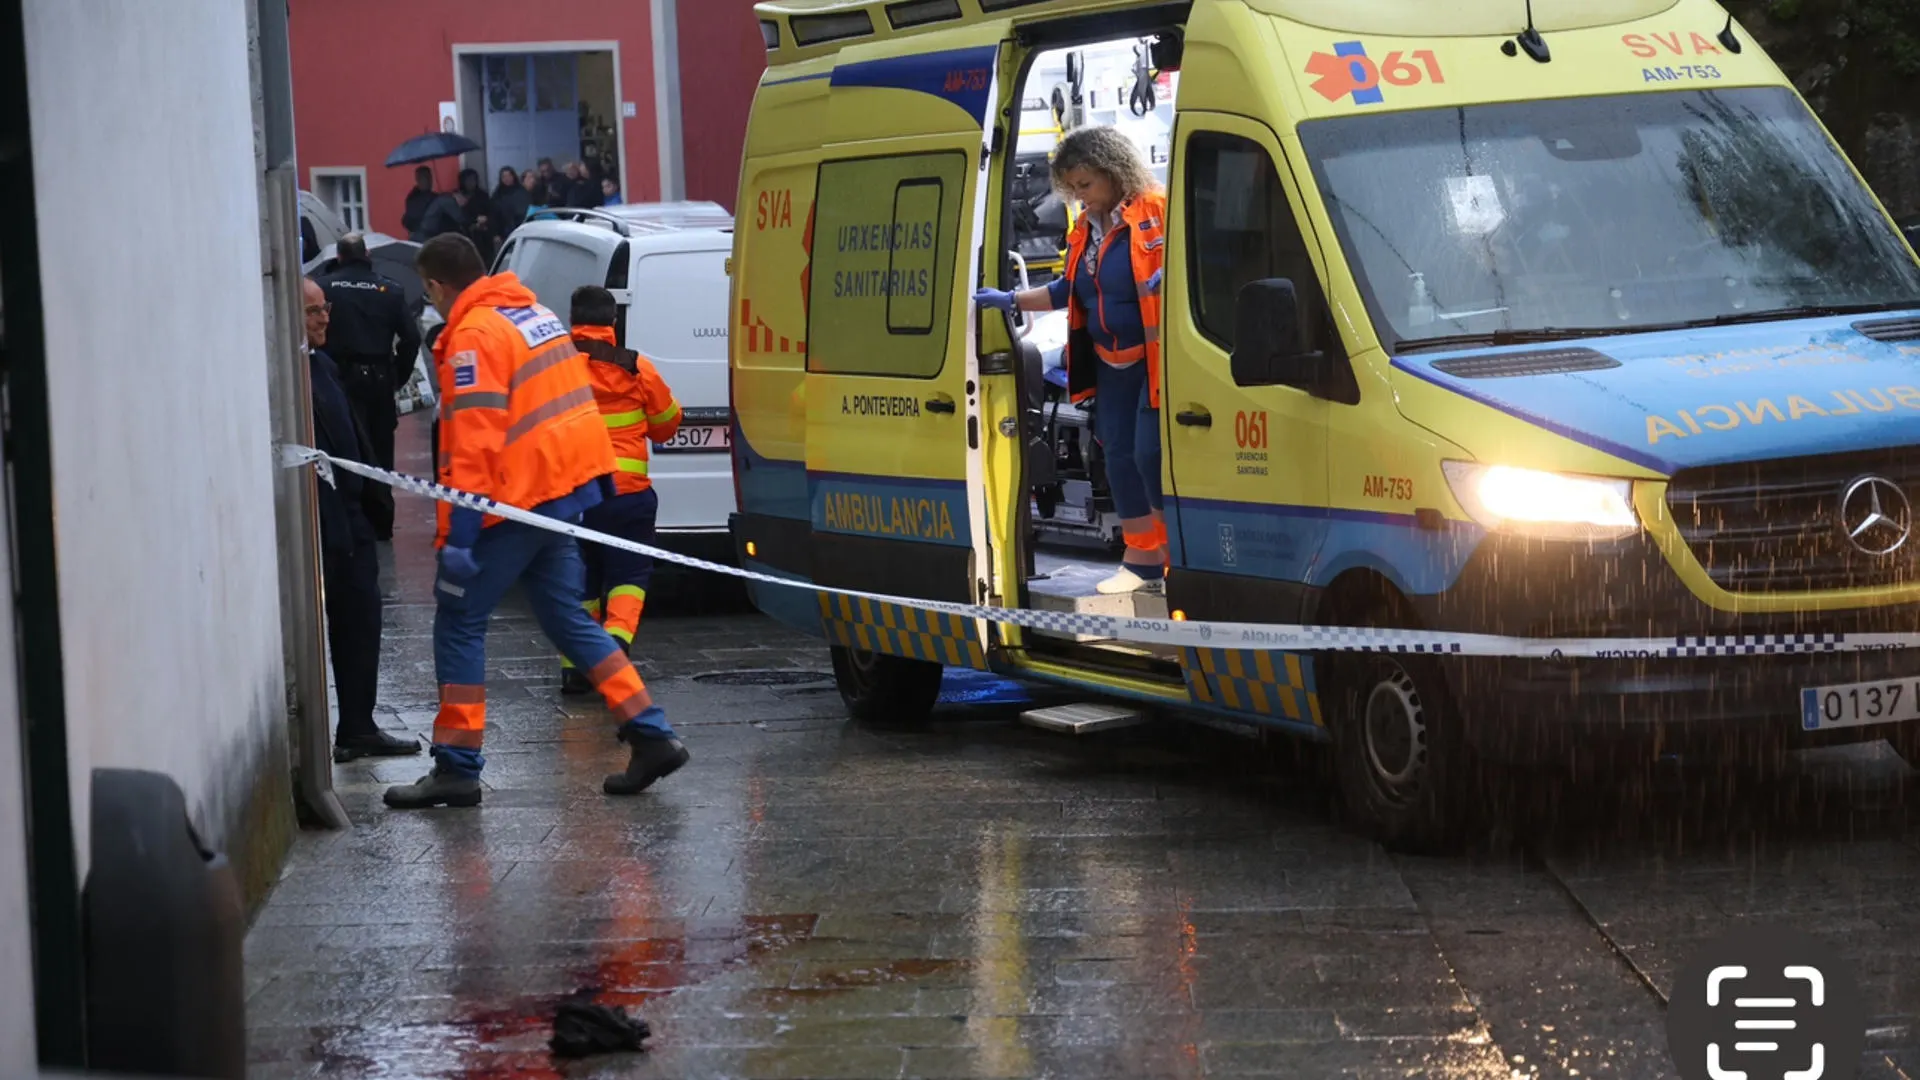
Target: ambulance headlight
[{"x": 1549, "y": 506}]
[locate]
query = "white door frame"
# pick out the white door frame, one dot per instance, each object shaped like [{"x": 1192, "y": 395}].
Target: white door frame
[
  {"x": 666, "y": 100},
  {"x": 460, "y": 52}
]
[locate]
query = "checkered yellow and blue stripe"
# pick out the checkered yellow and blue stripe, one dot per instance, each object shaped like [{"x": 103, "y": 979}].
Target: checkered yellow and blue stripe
[
  {"x": 897, "y": 630},
  {"x": 1259, "y": 681}
]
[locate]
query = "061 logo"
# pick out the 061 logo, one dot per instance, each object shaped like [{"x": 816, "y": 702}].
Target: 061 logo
[{"x": 1349, "y": 72}]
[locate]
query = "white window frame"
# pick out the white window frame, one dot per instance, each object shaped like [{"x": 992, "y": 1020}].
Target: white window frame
[{"x": 330, "y": 172}]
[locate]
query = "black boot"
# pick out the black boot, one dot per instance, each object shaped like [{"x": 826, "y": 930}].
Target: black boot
[
  {"x": 437, "y": 788},
  {"x": 651, "y": 760},
  {"x": 573, "y": 682},
  {"x": 378, "y": 744}
]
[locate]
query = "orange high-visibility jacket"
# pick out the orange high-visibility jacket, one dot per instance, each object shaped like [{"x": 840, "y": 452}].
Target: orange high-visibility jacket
[
  {"x": 517, "y": 422},
  {"x": 635, "y": 402},
  {"x": 1145, "y": 216}
]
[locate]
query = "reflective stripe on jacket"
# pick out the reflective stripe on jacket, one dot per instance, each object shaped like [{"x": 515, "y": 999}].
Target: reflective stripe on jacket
[
  {"x": 635, "y": 403},
  {"x": 1145, "y": 219},
  {"x": 518, "y": 422}
]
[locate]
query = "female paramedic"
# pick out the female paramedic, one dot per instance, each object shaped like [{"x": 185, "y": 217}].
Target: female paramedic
[{"x": 1116, "y": 257}]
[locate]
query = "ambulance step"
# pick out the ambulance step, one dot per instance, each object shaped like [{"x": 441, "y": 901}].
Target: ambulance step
[
  {"x": 1069, "y": 586},
  {"x": 1084, "y": 718}
]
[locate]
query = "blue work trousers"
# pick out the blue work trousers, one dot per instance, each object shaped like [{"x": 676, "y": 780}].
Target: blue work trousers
[
  {"x": 1129, "y": 432},
  {"x": 548, "y": 568},
  {"x": 629, "y": 517}
]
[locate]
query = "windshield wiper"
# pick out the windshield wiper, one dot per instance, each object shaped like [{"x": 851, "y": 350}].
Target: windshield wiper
[
  {"x": 1802, "y": 311},
  {"x": 1509, "y": 337}
]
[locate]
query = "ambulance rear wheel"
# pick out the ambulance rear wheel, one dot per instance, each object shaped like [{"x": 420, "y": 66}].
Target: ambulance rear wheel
[
  {"x": 883, "y": 690},
  {"x": 1404, "y": 771}
]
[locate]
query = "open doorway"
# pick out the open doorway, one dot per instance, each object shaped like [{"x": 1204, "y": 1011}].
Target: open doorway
[
  {"x": 554, "y": 100},
  {"x": 1074, "y": 536}
]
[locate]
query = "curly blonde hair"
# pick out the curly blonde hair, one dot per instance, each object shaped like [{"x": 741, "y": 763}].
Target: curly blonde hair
[{"x": 1104, "y": 150}]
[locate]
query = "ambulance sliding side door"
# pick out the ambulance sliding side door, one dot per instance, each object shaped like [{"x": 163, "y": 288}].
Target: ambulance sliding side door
[{"x": 892, "y": 385}]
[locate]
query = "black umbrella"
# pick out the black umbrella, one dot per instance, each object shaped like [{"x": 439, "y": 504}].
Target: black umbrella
[{"x": 438, "y": 144}]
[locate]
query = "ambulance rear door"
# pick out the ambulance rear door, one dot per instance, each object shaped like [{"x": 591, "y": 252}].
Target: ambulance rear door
[{"x": 892, "y": 386}]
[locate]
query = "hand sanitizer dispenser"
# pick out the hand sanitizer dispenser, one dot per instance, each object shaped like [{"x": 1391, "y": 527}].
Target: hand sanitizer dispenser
[{"x": 1420, "y": 306}]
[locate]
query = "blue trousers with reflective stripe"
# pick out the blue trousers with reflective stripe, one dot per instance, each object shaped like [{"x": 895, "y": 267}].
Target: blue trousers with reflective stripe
[{"x": 549, "y": 570}]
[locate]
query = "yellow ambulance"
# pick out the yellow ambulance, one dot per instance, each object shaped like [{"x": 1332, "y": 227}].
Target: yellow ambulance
[{"x": 1555, "y": 320}]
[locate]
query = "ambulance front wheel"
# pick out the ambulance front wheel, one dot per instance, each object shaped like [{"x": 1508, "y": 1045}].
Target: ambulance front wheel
[
  {"x": 886, "y": 690},
  {"x": 1404, "y": 771}
]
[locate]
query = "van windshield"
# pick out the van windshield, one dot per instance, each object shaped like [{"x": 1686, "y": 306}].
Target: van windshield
[{"x": 1536, "y": 221}]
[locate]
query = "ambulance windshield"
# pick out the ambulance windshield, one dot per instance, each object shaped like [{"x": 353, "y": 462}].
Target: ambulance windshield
[{"x": 1533, "y": 221}]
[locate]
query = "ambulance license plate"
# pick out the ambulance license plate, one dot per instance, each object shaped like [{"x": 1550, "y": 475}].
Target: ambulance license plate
[
  {"x": 1858, "y": 704},
  {"x": 696, "y": 437}
]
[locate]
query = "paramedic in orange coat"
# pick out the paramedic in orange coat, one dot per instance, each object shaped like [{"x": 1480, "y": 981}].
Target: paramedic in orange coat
[
  {"x": 639, "y": 409},
  {"x": 518, "y": 427},
  {"x": 1116, "y": 258}
]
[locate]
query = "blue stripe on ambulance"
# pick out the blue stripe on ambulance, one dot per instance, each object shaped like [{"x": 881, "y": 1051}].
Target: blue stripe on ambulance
[
  {"x": 768, "y": 485},
  {"x": 1314, "y": 545},
  {"x": 961, "y": 76},
  {"x": 889, "y": 508}
]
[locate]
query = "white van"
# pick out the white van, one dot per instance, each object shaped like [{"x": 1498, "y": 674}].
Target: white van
[{"x": 666, "y": 265}]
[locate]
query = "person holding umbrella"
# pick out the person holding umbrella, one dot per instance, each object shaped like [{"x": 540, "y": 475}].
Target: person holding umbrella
[
  {"x": 427, "y": 214},
  {"x": 418, "y": 200}
]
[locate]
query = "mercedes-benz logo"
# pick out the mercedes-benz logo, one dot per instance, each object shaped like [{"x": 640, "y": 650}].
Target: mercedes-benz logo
[{"x": 1875, "y": 515}]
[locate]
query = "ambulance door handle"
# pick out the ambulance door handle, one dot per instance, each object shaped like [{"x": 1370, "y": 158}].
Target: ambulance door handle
[
  {"x": 1197, "y": 416},
  {"x": 941, "y": 404}
]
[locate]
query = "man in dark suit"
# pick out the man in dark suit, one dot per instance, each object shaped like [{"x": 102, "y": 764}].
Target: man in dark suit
[{"x": 349, "y": 560}]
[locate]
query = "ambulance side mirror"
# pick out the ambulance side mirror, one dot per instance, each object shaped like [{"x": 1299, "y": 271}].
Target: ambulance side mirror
[{"x": 1268, "y": 347}]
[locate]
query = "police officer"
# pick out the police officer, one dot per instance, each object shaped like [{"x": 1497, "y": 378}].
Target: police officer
[{"x": 371, "y": 315}]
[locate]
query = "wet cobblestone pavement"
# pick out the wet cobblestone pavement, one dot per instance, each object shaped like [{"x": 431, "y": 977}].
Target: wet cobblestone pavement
[{"x": 813, "y": 899}]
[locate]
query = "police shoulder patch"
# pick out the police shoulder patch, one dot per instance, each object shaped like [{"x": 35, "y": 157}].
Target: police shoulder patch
[
  {"x": 536, "y": 324},
  {"x": 466, "y": 369}
]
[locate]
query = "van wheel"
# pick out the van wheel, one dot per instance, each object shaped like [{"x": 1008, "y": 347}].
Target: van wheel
[
  {"x": 1404, "y": 770},
  {"x": 886, "y": 690}
]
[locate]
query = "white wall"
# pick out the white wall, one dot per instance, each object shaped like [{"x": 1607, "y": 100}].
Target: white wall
[
  {"x": 18, "y": 1056},
  {"x": 143, "y": 147}
]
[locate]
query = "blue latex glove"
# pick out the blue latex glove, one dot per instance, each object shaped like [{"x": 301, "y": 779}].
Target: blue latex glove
[
  {"x": 458, "y": 563},
  {"x": 1153, "y": 283},
  {"x": 463, "y": 527},
  {"x": 994, "y": 298}
]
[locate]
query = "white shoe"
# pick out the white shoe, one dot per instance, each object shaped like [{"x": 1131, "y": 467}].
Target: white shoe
[{"x": 1127, "y": 581}]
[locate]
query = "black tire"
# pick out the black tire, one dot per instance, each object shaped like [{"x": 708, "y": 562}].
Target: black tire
[
  {"x": 1405, "y": 771},
  {"x": 887, "y": 691}
]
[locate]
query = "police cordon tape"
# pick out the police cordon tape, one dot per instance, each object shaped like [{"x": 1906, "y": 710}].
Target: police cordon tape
[{"x": 1185, "y": 633}]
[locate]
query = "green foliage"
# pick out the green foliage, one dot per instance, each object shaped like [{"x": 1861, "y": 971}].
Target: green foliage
[{"x": 1890, "y": 28}]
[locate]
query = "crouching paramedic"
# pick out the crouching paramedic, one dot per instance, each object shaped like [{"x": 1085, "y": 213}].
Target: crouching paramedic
[
  {"x": 518, "y": 426},
  {"x": 638, "y": 409}
]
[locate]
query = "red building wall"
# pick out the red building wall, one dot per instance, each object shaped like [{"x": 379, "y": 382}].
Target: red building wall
[
  {"x": 369, "y": 74},
  {"x": 722, "y": 56}
]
